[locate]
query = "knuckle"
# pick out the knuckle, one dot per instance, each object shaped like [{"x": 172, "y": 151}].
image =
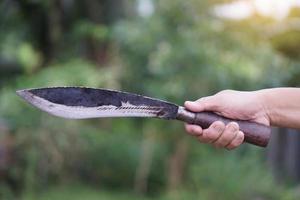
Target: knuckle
[
  {"x": 225, "y": 139},
  {"x": 205, "y": 135},
  {"x": 228, "y": 135},
  {"x": 232, "y": 127},
  {"x": 218, "y": 126},
  {"x": 209, "y": 102},
  {"x": 220, "y": 143},
  {"x": 208, "y": 137},
  {"x": 240, "y": 137},
  {"x": 237, "y": 141},
  {"x": 211, "y": 135}
]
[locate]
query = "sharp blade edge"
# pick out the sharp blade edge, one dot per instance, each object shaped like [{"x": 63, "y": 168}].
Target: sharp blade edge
[{"x": 82, "y": 103}]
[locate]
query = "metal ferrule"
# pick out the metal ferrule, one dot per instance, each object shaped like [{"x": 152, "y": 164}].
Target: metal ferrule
[{"x": 185, "y": 115}]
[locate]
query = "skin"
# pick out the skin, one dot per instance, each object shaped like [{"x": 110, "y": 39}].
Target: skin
[{"x": 277, "y": 107}]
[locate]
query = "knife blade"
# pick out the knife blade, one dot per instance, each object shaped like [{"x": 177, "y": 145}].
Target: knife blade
[{"x": 84, "y": 103}]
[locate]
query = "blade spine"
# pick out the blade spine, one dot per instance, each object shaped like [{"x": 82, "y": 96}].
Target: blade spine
[
  {"x": 173, "y": 116},
  {"x": 111, "y": 90},
  {"x": 46, "y": 106},
  {"x": 43, "y": 104}
]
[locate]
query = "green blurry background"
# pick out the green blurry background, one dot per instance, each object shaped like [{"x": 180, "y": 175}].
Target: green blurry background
[{"x": 170, "y": 49}]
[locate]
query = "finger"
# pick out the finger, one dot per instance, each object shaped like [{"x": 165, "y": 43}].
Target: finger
[
  {"x": 228, "y": 135},
  {"x": 212, "y": 133},
  {"x": 193, "y": 130},
  {"x": 237, "y": 141},
  {"x": 205, "y": 103}
]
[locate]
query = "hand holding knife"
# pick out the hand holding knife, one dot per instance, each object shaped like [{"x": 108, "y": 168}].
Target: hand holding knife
[{"x": 83, "y": 103}]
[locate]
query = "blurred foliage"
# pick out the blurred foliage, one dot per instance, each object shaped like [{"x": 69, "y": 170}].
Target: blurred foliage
[
  {"x": 180, "y": 52},
  {"x": 87, "y": 29},
  {"x": 28, "y": 58},
  {"x": 285, "y": 36},
  {"x": 166, "y": 49},
  {"x": 78, "y": 192}
]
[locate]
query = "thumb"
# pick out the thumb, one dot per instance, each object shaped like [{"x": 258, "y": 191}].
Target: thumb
[{"x": 203, "y": 104}]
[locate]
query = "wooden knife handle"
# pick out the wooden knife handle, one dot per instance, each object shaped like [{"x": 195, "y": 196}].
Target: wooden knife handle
[{"x": 257, "y": 134}]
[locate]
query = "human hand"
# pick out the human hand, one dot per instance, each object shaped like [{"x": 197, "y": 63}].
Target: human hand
[{"x": 231, "y": 104}]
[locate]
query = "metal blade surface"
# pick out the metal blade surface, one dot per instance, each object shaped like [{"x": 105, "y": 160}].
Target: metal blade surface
[{"x": 82, "y": 103}]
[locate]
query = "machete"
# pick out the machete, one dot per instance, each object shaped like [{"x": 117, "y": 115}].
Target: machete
[{"x": 83, "y": 103}]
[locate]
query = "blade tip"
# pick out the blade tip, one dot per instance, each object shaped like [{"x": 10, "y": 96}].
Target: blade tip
[{"x": 21, "y": 92}]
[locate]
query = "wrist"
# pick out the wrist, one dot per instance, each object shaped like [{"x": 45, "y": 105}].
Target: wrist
[{"x": 265, "y": 103}]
